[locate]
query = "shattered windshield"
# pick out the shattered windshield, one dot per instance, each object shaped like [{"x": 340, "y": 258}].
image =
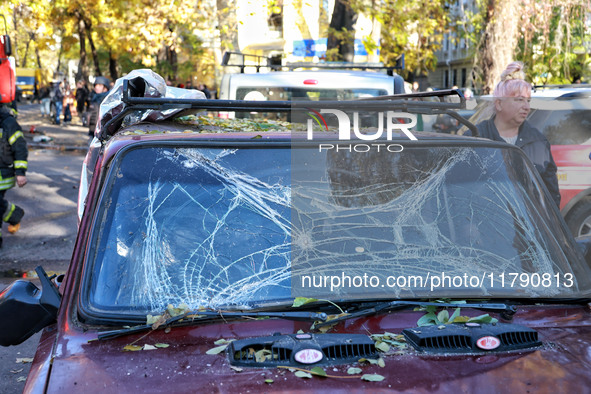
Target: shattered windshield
[{"x": 207, "y": 227}]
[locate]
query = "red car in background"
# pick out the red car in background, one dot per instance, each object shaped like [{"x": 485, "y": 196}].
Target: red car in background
[{"x": 564, "y": 116}]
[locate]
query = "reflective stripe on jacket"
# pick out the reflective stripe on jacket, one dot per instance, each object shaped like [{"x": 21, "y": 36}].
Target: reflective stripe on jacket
[{"x": 17, "y": 163}]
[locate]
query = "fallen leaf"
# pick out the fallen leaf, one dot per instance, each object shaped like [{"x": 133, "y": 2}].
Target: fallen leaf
[
  {"x": 180, "y": 310},
  {"x": 262, "y": 355},
  {"x": 149, "y": 347},
  {"x": 325, "y": 329},
  {"x": 268, "y": 381},
  {"x": 21, "y": 379},
  {"x": 382, "y": 346},
  {"x": 353, "y": 371},
  {"x": 132, "y": 348},
  {"x": 318, "y": 371},
  {"x": 369, "y": 360},
  {"x": 237, "y": 369},
  {"x": 486, "y": 318},
  {"x": 372, "y": 377},
  {"x": 217, "y": 349},
  {"x": 24, "y": 360},
  {"x": 302, "y": 374},
  {"x": 152, "y": 319},
  {"x": 162, "y": 345},
  {"x": 299, "y": 301},
  {"x": 222, "y": 341}
]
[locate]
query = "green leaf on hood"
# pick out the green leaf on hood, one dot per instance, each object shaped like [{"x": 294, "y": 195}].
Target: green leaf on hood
[
  {"x": 354, "y": 371},
  {"x": 486, "y": 318},
  {"x": 217, "y": 349},
  {"x": 428, "y": 319},
  {"x": 443, "y": 316},
  {"x": 372, "y": 377},
  {"x": 302, "y": 374},
  {"x": 318, "y": 371},
  {"x": 454, "y": 316},
  {"x": 299, "y": 301},
  {"x": 222, "y": 341}
]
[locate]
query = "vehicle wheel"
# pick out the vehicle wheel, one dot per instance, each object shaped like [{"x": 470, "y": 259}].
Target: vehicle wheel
[{"x": 579, "y": 218}]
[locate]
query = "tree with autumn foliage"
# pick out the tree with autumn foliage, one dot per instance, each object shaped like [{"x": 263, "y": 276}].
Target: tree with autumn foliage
[
  {"x": 413, "y": 28},
  {"x": 549, "y": 36}
]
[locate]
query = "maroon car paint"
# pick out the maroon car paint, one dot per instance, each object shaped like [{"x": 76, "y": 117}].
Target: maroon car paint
[
  {"x": 71, "y": 360},
  {"x": 79, "y": 363}
]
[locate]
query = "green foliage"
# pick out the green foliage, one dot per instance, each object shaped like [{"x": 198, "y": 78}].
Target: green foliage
[
  {"x": 414, "y": 28},
  {"x": 554, "y": 48}
]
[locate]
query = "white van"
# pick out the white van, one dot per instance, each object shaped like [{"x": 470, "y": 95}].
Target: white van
[{"x": 313, "y": 85}]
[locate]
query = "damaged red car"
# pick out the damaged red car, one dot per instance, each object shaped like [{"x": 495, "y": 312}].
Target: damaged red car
[{"x": 306, "y": 246}]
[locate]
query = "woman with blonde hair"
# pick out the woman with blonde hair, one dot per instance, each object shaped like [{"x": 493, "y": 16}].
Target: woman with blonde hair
[{"x": 508, "y": 123}]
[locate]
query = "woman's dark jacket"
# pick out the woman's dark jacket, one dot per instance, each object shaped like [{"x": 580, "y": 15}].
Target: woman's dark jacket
[{"x": 536, "y": 147}]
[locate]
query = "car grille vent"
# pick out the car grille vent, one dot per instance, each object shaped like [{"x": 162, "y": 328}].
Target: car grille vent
[
  {"x": 270, "y": 353},
  {"x": 315, "y": 349},
  {"x": 472, "y": 338},
  {"x": 338, "y": 352},
  {"x": 519, "y": 338},
  {"x": 446, "y": 342}
]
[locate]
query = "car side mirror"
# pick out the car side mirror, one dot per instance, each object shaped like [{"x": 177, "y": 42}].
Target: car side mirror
[
  {"x": 24, "y": 309},
  {"x": 584, "y": 243}
]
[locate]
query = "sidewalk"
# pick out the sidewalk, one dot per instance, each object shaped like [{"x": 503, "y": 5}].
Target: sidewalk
[{"x": 40, "y": 133}]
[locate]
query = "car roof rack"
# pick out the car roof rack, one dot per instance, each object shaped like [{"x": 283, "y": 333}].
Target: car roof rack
[
  {"x": 238, "y": 59},
  {"x": 133, "y": 100},
  {"x": 564, "y": 86}
]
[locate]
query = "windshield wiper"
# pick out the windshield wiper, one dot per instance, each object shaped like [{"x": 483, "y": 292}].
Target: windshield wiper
[
  {"x": 507, "y": 311},
  {"x": 197, "y": 317}
]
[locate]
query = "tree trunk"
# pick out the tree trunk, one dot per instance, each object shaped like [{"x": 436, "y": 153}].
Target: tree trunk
[
  {"x": 341, "y": 35},
  {"x": 27, "y": 46},
  {"x": 59, "y": 57},
  {"x": 171, "y": 58},
  {"x": 38, "y": 57},
  {"x": 82, "y": 73},
  {"x": 499, "y": 41},
  {"x": 113, "y": 67},
  {"x": 97, "y": 67}
]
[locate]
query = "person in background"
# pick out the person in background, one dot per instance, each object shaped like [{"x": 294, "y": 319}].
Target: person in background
[
  {"x": 508, "y": 123},
  {"x": 68, "y": 102},
  {"x": 101, "y": 89},
  {"x": 13, "y": 167},
  {"x": 205, "y": 90},
  {"x": 58, "y": 101},
  {"x": 45, "y": 101},
  {"x": 81, "y": 97}
]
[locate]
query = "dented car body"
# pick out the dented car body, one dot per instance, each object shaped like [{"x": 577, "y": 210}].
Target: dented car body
[{"x": 210, "y": 257}]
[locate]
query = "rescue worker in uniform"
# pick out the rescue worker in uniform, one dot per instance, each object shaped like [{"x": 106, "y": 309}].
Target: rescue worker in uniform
[{"x": 13, "y": 166}]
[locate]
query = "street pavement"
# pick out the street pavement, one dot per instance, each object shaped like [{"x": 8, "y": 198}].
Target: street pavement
[{"x": 48, "y": 229}]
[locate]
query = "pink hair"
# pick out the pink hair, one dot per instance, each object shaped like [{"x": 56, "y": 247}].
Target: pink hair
[{"x": 513, "y": 82}]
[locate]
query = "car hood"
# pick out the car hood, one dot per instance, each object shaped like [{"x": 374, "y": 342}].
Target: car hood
[{"x": 81, "y": 364}]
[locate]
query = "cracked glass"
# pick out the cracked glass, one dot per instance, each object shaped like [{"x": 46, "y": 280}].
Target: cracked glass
[{"x": 243, "y": 226}]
